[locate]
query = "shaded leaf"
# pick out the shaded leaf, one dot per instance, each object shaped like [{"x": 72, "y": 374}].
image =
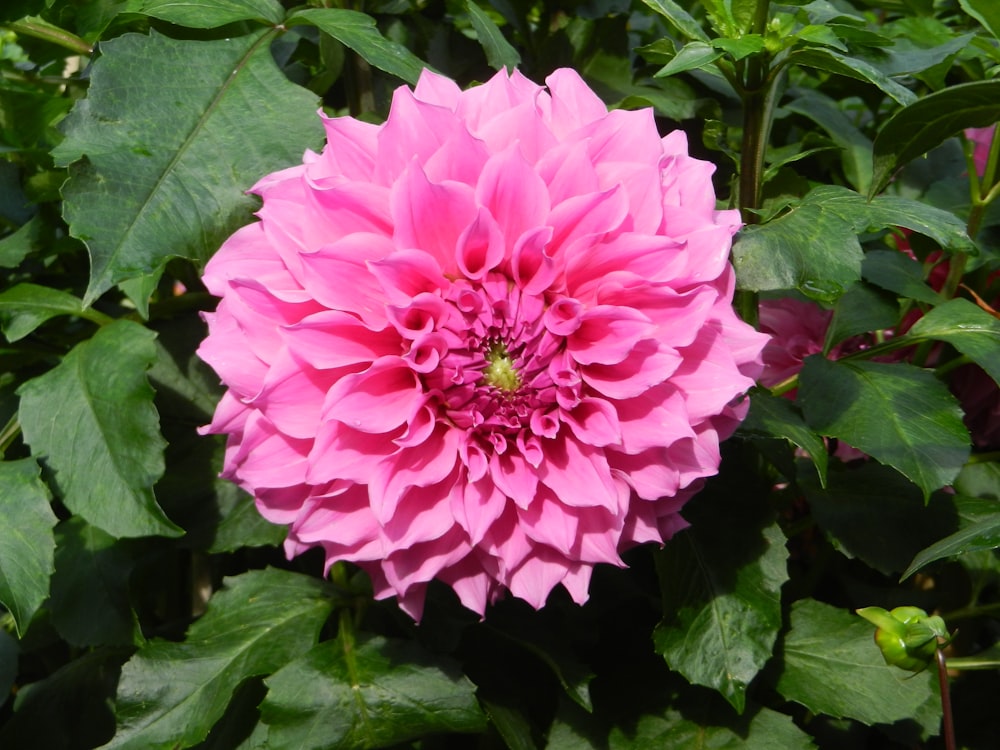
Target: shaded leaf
[
  {"x": 874, "y": 514},
  {"x": 899, "y": 414},
  {"x": 15, "y": 247},
  {"x": 971, "y": 330},
  {"x": 358, "y": 31},
  {"x": 773, "y": 416},
  {"x": 853, "y": 67},
  {"x": 767, "y": 730},
  {"x": 680, "y": 18},
  {"x": 984, "y": 534},
  {"x": 722, "y": 587},
  {"x": 499, "y": 52},
  {"x": 167, "y": 151},
  {"x": 986, "y": 12},
  {"x": 208, "y": 14},
  {"x": 899, "y": 273},
  {"x": 861, "y": 309},
  {"x": 832, "y": 666},
  {"x": 90, "y": 594},
  {"x": 26, "y": 306},
  {"x": 171, "y": 694},
  {"x": 91, "y": 420},
  {"x": 27, "y": 543},
  {"x": 9, "y": 651},
  {"x": 917, "y": 128},
  {"x": 370, "y": 693}
]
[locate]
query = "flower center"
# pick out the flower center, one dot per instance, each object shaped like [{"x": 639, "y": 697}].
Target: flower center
[{"x": 500, "y": 372}]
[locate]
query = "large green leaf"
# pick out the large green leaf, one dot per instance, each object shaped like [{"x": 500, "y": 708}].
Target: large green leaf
[
  {"x": 26, "y": 306},
  {"x": 207, "y": 14},
  {"x": 862, "y": 308},
  {"x": 91, "y": 420},
  {"x": 722, "y": 594},
  {"x": 90, "y": 588},
  {"x": 767, "y": 730},
  {"x": 772, "y": 416},
  {"x": 832, "y": 666},
  {"x": 358, "y": 31},
  {"x": 499, "y": 52},
  {"x": 987, "y": 12},
  {"x": 874, "y": 514},
  {"x": 171, "y": 694},
  {"x": 899, "y": 414},
  {"x": 368, "y": 693},
  {"x": 853, "y": 67},
  {"x": 27, "y": 544},
  {"x": 917, "y": 128},
  {"x": 899, "y": 273},
  {"x": 984, "y": 534},
  {"x": 167, "y": 151},
  {"x": 972, "y": 331}
]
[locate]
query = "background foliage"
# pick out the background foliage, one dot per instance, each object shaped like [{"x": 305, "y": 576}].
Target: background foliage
[{"x": 146, "y": 605}]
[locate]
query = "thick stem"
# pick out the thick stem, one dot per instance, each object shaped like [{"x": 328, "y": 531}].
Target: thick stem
[
  {"x": 947, "y": 719},
  {"x": 47, "y": 32}
]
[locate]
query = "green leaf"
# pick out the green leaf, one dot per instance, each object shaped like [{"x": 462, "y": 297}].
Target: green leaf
[
  {"x": 26, "y": 306},
  {"x": 171, "y": 694},
  {"x": 984, "y": 534},
  {"x": 899, "y": 273},
  {"x": 899, "y": 414},
  {"x": 91, "y": 420},
  {"x": 15, "y": 247},
  {"x": 358, "y": 31},
  {"x": 692, "y": 56},
  {"x": 809, "y": 247},
  {"x": 773, "y": 416},
  {"x": 680, "y": 18},
  {"x": 872, "y": 513},
  {"x": 852, "y": 67},
  {"x": 917, "y": 128},
  {"x": 208, "y": 14},
  {"x": 90, "y": 588},
  {"x": 27, "y": 544},
  {"x": 971, "y": 330},
  {"x": 767, "y": 730},
  {"x": 371, "y": 693},
  {"x": 722, "y": 587},
  {"x": 987, "y": 12},
  {"x": 745, "y": 46},
  {"x": 167, "y": 151},
  {"x": 861, "y": 309},
  {"x": 9, "y": 652},
  {"x": 499, "y": 52},
  {"x": 832, "y": 666}
]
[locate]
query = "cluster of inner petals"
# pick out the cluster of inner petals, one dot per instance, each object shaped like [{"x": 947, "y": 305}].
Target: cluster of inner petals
[{"x": 490, "y": 342}]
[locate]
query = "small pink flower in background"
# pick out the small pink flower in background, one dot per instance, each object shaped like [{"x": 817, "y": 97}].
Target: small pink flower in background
[
  {"x": 489, "y": 342},
  {"x": 982, "y": 138},
  {"x": 797, "y": 329}
]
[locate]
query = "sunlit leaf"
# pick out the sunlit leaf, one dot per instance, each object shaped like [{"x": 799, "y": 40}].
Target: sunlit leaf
[{"x": 207, "y": 14}]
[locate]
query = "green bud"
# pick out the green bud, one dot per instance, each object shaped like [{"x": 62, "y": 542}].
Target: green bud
[{"x": 907, "y": 636}]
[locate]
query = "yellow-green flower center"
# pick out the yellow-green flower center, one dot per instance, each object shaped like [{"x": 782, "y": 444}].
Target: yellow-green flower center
[{"x": 500, "y": 372}]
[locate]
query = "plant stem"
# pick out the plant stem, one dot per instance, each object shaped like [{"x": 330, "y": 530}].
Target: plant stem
[
  {"x": 756, "y": 122},
  {"x": 39, "y": 29},
  {"x": 947, "y": 720}
]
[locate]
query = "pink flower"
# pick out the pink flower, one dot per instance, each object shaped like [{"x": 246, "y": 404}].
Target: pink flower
[
  {"x": 488, "y": 342},
  {"x": 797, "y": 330},
  {"x": 981, "y": 138}
]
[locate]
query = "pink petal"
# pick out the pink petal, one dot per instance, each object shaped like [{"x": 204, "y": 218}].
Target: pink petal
[{"x": 377, "y": 400}]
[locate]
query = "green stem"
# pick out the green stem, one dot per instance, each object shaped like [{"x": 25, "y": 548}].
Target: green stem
[
  {"x": 973, "y": 610},
  {"x": 39, "y": 29},
  {"x": 9, "y": 433},
  {"x": 757, "y": 112},
  {"x": 947, "y": 719}
]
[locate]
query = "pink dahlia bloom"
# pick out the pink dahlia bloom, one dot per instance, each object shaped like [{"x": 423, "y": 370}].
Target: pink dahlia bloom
[{"x": 489, "y": 342}]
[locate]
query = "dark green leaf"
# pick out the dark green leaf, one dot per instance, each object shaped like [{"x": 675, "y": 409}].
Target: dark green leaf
[
  {"x": 26, "y": 543},
  {"x": 853, "y": 67},
  {"x": 372, "y": 693},
  {"x": 874, "y": 514},
  {"x": 746, "y": 45},
  {"x": 511, "y": 724},
  {"x": 773, "y": 416},
  {"x": 90, "y": 595},
  {"x": 241, "y": 524},
  {"x": 984, "y": 534},
  {"x": 980, "y": 479},
  {"x": 832, "y": 666},
  {"x": 861, "y": 309},
  {"x": 358, "y": 31},
  {"x": 208, "y": 14},
  {"x": 987, "y": 12},
  {"x": 806, "y": 248},
  {"x": 171, "y": 694},
  {"x": 972, "y": 331},
  {"x": 91, "y": 419},
  {"x": 9, "y": 651},
  {"x": 26, "y": 306},
  {"x": 679, "y": 17},
  {"x": 767, "y": 731},
  {"x": 917, "y": 128},
  {"x": 899, "y": 273},
  {"x": 15, "y": 248},
  {"x": 691, "y": 56},
  {"x": 168, "y": 150},
  {"x": 499, "y": 52},
  {"x": 906, "y": 57},
  {"x": 722, "y": 585},
  {"x": 899, "y": 414}
]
